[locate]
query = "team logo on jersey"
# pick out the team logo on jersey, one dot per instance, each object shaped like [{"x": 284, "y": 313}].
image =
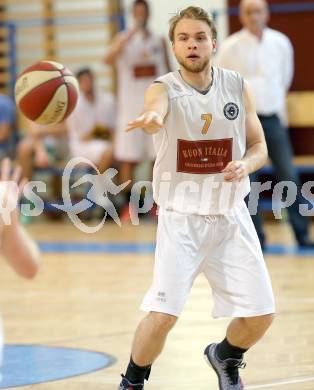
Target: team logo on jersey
[{"x": 231, "y": 111}]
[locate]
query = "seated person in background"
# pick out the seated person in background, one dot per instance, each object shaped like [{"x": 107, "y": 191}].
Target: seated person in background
[
  {"x": 7, "y": 126},
  {"x": 18, "y": 249},
  {"x": 41, "y": 147},
  {"x": 90, "y": 126}
]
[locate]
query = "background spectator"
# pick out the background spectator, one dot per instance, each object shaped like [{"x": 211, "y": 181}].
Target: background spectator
[
  {"x": 91, "y": 125},
  {"x": 264, "y": 57},
  {"x": 8, "y": 134},
  {"x": 139, "y": 57}
]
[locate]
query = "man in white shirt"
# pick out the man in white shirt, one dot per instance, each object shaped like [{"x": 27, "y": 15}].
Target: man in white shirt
[
  {"x": 90, "y": 126},
  {"x": 264, "y": 57},
  {"x": 139, "y": 57}
]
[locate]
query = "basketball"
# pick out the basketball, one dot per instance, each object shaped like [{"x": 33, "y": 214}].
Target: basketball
[{"x": 46, "y": 92}]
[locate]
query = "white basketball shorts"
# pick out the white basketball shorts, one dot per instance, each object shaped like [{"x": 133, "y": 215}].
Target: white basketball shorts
[{"x": 225, "y": 248}]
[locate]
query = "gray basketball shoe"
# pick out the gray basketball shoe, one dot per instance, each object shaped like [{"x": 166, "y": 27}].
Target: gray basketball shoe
[
  {"x": 126, "y": 385},
  {"x": 226, "y": 370}
]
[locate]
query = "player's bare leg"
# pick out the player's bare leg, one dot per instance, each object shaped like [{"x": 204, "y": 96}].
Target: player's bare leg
[
  {"x": 105, "y": 160},
  {"x": 245, "y": 332},
  {"x": 150, "y": 337},
  {"x": 126, "y": 173},
  {"x": 149, "y": 340},
  {"x": 25, "y": 152},
  {"x": 126, "y": 170}
]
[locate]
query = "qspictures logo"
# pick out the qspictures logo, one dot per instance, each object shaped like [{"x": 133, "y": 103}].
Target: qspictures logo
[{"x": 102, "y": 190}]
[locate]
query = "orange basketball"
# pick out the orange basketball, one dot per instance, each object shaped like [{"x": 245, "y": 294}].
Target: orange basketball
[{"x": 46, "y": 92}]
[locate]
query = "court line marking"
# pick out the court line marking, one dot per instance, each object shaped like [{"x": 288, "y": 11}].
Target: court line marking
[
  {"x": 143, "y": 248},
  {"x": 103, "y": 361},
  {"x": 281, "y": 383}
]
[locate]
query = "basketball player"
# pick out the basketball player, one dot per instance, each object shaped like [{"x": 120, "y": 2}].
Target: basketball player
[
  {"x": 208, "y": 140},
  {"x": 17, "y": 247},
  {"x": 139, "y": 57}
]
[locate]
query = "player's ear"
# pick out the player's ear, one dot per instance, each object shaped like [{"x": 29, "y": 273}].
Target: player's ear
[
  {"x": 214, "y": 45},
  {"x": 173, "y": 45}
]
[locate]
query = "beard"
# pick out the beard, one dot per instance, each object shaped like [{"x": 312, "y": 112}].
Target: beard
[{"x": 196, "y": 67}]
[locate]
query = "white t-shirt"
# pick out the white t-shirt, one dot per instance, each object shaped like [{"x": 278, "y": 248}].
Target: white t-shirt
[
  {"x": 140, "y": 63},
  {"x": 267, "y": 64},
  {"x": 88, "y": 114}
]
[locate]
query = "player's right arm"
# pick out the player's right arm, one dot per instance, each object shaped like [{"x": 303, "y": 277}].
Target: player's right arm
[
  {"x": 256, "y": 148},
  {"x": 155, "y": 109},
  {"x": 17, "y": 247}
]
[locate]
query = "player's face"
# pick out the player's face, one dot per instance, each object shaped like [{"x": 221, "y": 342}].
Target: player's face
[
  {"x": 254, "y": 15},
  {"x": 140, "y": 15},
  {"x": 86, "y": 83},
  {"x": 193, "y": 44}
]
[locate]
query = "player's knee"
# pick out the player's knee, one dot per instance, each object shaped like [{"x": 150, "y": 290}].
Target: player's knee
[
  {"x": 260, "y": 322},
  {"x": 163, "y": 322}
]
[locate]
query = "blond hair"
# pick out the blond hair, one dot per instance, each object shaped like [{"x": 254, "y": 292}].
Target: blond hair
[{"x": 196, "y": 13}]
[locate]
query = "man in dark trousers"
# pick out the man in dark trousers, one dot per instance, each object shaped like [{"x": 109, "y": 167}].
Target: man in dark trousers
[{"x": 264, "y": 57}]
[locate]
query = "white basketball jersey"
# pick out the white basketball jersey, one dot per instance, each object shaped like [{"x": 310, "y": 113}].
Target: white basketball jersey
[
  {"x": 140, "y": 63},
  {"x": 202, "y": 134}
]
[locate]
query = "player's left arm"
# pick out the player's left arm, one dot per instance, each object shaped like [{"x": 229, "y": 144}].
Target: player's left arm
[{"x": 256, "y": 149}]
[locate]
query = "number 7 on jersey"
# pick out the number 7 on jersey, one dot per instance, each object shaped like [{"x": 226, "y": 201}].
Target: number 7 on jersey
[{"x": 208, "y": 120}]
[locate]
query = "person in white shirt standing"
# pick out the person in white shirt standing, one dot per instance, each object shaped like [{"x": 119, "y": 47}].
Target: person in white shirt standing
[
  {"x": 264, "y": 57},
  {"x": 208, "y": 139},
  {"x": 139, "y": 57}
]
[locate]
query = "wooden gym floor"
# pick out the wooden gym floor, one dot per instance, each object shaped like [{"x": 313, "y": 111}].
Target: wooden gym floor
[{"x": 90, "y": 300}]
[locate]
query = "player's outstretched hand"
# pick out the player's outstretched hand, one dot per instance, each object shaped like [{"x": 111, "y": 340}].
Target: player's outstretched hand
[
  {"x": 236, "y": 171},
  {"x": 150, "y": 122}
]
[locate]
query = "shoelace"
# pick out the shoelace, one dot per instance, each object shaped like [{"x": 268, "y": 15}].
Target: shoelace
[{"x": 233, "y": 372}]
